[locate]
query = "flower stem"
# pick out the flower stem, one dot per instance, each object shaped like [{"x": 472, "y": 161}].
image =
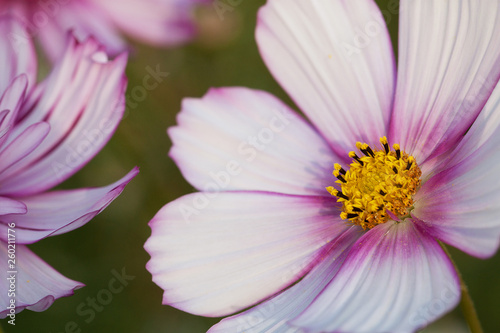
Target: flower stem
[{"x": 466, "y": 302}]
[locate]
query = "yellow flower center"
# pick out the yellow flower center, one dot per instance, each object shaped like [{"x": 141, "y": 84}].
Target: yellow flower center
[{"x": 378, "y": 186}]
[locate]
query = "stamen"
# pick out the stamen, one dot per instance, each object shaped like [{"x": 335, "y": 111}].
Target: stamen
[
  {"x": 397, "y": 149},
  {"x": 362, "y": 148},
  {"x": 369, "y": 150},
  {"x": 339, "y": 168},
  {"x": 336, "y": 193},
  {"x": 354, "y": 156},
  {"x": 342, "y": 195},
  {"x": 377, "y": 186},
  {"x": 411, "y": 160},
  {"x": 385, "y": 143},
  {"x": 337, "y": 174},
  {"x": 365, "y": 149}
]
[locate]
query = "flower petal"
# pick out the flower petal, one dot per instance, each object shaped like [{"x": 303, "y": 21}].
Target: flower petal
[
  {"x": 335, "y": 60},
  {"x": 10, "y": 104},
  {"x": 17, "y": 53},
  {"x": 84, "y": 19},
  {"x": 58, "y": 212},
  {"x": 11, "y": 206},
  {"x": 83, "y": 101},
  {"x": 23, "y": 145},
  {"x": 218, "y": 254},
  {"x": 273, "y": 315},
  {"x": 243, "y": 139},
  {"x": 158, "y": 22},
  {"x": 395, "y": 279},
  {"x": 483, "y": 135},
  {"x": 37, "y": 283},
  {"x": 449, "y": 63},
  {"x": 461, "y": 204}
]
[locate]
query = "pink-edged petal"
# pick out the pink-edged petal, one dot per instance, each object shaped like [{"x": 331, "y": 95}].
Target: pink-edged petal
[
  {"x": 396, "y": 278},
  {"x": 449, "y": 63},
  {"x": 483, "y": 135},
  {"x": 11, "y": 206},
  {"x": 58, "y": 212},
  {"x": 217, "y": 254},
  {"x": 17, "y": 53},
  {"x": 243, "y": 139},
  {"x": 83, "y": 74},
  {"x": 273, "y": 315},
  {"x": 83, "y": 101},
  {"x": 461, "y": 204},
  {"x": 37, "y": 284},
  {"x": 10, "y": 104},
  {"x": 24, "y": 144},
  {"x": 335, "y": 60},
  {"x": 160, "y": 22}
]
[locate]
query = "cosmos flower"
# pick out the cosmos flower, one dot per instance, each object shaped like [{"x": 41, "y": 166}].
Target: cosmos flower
[
  {"x": 48, "y": 131},
  {"x": 413, "y": 152},
  {"x": 157, "y": 22}
]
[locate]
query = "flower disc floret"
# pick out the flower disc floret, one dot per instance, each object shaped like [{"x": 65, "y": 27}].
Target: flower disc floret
[{"x": 378, "y": 185}]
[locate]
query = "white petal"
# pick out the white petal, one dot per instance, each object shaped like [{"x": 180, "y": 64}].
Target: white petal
[
  {"x": 273, "y": 315},
  {"x": 395, "y": 279},
  {"x": 335, "y": 60},
  {"x": 243, "y": 139},
  {"x": 483, "y": 135},
  {"x": 236, "y": 248},
  {"x": 37, "y": 283},
  {"x": 462, "y": 203},
  {"x": 449, "y": 63},
  {"x": 58, "y": 212}
]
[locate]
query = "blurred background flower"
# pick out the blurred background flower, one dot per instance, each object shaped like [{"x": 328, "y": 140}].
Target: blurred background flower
[
  {"x": 224, "y": 54},
  {"x": 156, "y": 22}
]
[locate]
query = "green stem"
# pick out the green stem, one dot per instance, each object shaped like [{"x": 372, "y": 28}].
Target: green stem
[{"x": 466, "y": 302}]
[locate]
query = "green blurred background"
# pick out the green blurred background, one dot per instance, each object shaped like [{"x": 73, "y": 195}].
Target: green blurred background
[{"x": 225, "y": 54}]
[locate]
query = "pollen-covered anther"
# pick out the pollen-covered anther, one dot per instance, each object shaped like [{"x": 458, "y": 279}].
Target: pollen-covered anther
[{"x": 381, "y": 181}]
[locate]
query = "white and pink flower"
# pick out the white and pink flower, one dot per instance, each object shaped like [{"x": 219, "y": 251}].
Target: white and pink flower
[
  {"x": 48, "y": 131},
  {"x": 266, "y": 236},
  {"x": 157, "y": 22}
]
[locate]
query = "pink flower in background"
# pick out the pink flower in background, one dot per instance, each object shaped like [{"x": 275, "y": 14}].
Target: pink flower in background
[
  {"x": 157, "y": 22},
  {"x": 48, "y": 131},
  {"x": 414, "y": 153}
]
